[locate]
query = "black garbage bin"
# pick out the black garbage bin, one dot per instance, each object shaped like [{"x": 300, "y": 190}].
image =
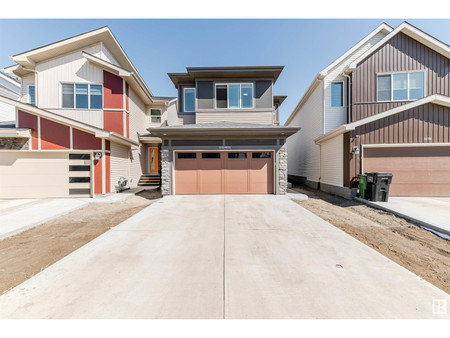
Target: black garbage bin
[{"x": 378, "y": 186}]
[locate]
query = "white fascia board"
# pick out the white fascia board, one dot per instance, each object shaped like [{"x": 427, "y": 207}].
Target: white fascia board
[
  {"x": 414, "y": 33},
  {"x": 312, "y": 87},
  {"x": 121, "y": 139},
  {"x": 112, "y": 68},
  {"x": 437, "y": 99},
  {"x": 383, "y": 27},
  {"x": 13, "y": 132}
]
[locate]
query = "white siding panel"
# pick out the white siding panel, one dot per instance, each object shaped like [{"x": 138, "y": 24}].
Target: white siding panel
[
  {"x": 120, "y": 164},
  {"x": 235, "y": 116},
  {"x": 106, "y": 55},
  {"x": 303, "y": 153},
  {"x": 332, "y": 154},
  {"x": 337, "y": 116},
  {"x": 7, "y": 112},
  {"x": 71, "y": 67},
  {"x": 92, "y": 117},
  {"x": 26, "y": 81}
]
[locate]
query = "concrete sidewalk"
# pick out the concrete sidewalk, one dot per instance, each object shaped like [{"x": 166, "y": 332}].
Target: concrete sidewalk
[
  {"x": 431, "y": 212},
  {"x": 218, "y": 256}
]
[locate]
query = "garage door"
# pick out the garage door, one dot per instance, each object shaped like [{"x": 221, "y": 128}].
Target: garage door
[
  {"x": 44, "y": 175},
  {"x": 245, "y": 172},
  {"x": 418, "y": 171}
]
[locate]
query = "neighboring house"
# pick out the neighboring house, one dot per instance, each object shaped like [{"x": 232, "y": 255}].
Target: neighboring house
[
  {"x": 229, "y": 139},
  {"x": 9, "y": 87},
  {"x": 382, "y": 106},
  {"x": 79, "y": 123}
]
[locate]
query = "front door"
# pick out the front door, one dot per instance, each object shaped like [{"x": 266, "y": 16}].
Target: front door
[{"x": 153, "y": 165}]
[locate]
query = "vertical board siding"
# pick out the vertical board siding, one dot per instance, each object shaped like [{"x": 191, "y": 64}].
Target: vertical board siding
[
  {"x": 429, "y": 123},
  {"x": 399, "y": 54}
]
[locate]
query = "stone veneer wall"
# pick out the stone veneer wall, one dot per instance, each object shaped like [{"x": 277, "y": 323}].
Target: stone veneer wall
[
  {"x": 165, "y": 172},
  {"x": 282, "y": 170},
  {"x": 14, "y": 143}
]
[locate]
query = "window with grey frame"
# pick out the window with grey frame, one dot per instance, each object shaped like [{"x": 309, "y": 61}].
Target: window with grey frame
[
  {"x": 81, "y": 96},
  {"x": 234, "y": 95},
  {"x": 189, "y": 99},
  {"x": 403, "y": 86}
]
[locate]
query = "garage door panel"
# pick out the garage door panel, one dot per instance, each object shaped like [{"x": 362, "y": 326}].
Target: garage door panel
[
  {"x": 236, "y": 176},
  {"x": 418, "y": 171},
  {"x": 186, "y": 176}
]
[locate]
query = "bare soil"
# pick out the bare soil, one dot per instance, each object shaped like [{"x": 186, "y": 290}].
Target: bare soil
[
  {"x": 26, "y": 254},
  {"x": 418, "y": 250}
]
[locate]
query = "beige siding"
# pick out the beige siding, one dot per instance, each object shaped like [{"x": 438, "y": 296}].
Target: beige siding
[
  {"x": 71, "y": 67},
  {"x": 304, "y": 154},
  {"x": 138, "y": 123},
  {"x": 120, "y": 164},
  {"x": 26, "y": 81},
  {"x": 336, "y": 116},
  {"x": 332, "y": 156},
  {"x": 235, "y": 116},
  {"x": 92, "y": 117},
  {"x": 164, "y": 116}
]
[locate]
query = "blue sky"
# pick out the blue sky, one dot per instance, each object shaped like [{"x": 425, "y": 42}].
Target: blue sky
[{"x": 159, "y": 46}]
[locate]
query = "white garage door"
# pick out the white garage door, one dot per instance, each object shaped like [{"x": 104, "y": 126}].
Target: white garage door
[{"x": 44, "y": 175}]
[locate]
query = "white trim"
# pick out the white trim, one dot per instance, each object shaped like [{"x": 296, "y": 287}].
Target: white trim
[
  {"x": 184, "y": 100},
  {"x": 39, "y": 132},
  {"x": 412, "y": 32},
  {"x": 437, "y": 99},
  {"x": 103, "y": 159},
  {"x": 75, "y": 95},
  {"x": 71, "y": 137},
  {"x": 391, "y": 74},
  {"x": 108, "y": 66}
]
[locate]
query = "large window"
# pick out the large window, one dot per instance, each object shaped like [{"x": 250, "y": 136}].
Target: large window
[
  {"x": 155, "y": 115},
  {"x": 189, "y": 99},
  {"x": 81, "y": 96},
  {"x": 337, "y": 94},
  {"x": 235, "y": 96},
  {"x": 32, "y": 95},
  {"x": 400, "y": 86}
]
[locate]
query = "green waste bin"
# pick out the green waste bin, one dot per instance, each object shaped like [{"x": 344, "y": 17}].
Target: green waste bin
[{"x": 362, "y": 182}]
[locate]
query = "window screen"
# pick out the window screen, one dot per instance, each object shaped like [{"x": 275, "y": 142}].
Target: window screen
[
  {"x": 384, "y": 88},
  {"x": 400, "y": 86},
  {"x": 416, "y": 85},
  {"x": 67, "y": 95},
  {"x": 96, "y": 96},
  {"x": 81, "y": 92},
  {"x": 233, "y": 96}
]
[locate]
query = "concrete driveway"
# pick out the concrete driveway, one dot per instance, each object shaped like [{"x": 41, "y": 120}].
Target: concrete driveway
[
  {"x": 223, "y": 257},
  {"x": 432, "y": 212}
]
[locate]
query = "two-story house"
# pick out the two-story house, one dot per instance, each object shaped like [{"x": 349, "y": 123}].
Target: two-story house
[
  {"x": 77, "y": 127},
  {"x": 384, "y": 106},
  {"x": 228, "y": 139}
]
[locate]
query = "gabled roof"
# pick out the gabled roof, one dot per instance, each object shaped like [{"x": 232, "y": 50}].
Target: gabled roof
[
  {"x": 413, "y": 32},
  {"x": 193, "y": 73},
  {"x": 27, "y": 61},
  {"x": 321, "y": 75},
  {"x": 98, "y": 132},
  {"x": 436, "y": 99}
]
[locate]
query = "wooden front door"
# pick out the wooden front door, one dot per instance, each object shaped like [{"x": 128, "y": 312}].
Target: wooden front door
[{"x": 153, "y": 163}]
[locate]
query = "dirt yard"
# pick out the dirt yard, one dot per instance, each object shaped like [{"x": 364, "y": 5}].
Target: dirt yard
[
  {"x": 418, "y": 250},
  {"x": 26, "y": 254}
]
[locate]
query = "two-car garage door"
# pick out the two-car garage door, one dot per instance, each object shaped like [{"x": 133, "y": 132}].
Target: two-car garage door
[
  {"x": 418, "y": 171},
  {"x": 239, "y": 172}
]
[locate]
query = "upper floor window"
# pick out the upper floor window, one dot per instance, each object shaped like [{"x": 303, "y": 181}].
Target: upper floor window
[
  {"x": 81, "y": 96},
  {"x": 400, "y": 86},
  {"x": 155, "y": 115},
  {"x": 32, "y": 95},
  {"x": 337, "y": 94},
  {"x": 238, "y": 95},
  {"x": 189, "y": 99}
]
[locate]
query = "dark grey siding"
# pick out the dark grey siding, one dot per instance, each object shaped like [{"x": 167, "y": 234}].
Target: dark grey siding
[
  {"x": 205, "y": 94},
  {"x": 429, "y": 123},
  {"x": 263, "y": 94},
  {"x": 401, "y": 53}
]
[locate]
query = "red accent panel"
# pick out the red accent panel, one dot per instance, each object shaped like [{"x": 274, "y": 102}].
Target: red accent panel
[
  {"x": 112, "y": 91},
  {"x": 113, "y": 121},
  {"x": 98, "y": 176},
  {"x": 54, "y": 135},
  {"x": 127, "y": 99},
  {"x": 128, "y": 125},
  {"x": 108, "y": 172},
  {"x": 83, "y": 140},
  {"x": 107, "y": 145},
  {"x": 29, "y": 121}
]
